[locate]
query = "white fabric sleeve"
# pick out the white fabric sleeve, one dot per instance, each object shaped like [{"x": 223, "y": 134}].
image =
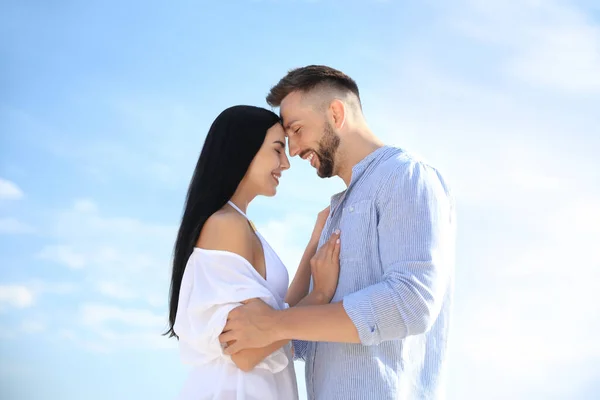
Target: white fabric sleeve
[{"x": 214, "y": 283}]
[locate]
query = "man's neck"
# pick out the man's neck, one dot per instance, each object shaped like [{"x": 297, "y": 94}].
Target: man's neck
[{"x": 358, "y": 146}]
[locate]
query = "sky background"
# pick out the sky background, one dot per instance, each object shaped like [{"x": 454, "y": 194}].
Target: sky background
[{"x": 104, "y": 107}]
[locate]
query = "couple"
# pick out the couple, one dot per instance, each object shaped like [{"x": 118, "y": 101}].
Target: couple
[{"x": 368, "y": 309}]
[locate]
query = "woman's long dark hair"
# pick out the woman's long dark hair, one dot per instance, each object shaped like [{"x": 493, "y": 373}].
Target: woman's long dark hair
[{"x": 233, "y": 140}]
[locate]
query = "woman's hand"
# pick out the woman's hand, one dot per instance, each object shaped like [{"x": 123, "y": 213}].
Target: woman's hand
[
  {"x": 319, "y": 225},
  {"x": 325, "y": 267}
]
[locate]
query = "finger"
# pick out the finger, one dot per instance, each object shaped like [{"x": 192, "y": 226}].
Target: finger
[
  {"x": 335, "y": 256},
  {"x": 331, "y": 243},
  {"x": 234, "y": 348},
  {"x": 227, "y": 337},
  {"x": 228, "y": 326}
]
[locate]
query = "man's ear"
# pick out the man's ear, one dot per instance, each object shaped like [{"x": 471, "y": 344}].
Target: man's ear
[{"x": 338, "y": 113}]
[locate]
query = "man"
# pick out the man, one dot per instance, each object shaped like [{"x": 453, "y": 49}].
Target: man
[{"x": 384, "y": 334}]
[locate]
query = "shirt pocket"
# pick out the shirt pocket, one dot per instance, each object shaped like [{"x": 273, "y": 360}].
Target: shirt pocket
[{"x": 356, "y": 225}]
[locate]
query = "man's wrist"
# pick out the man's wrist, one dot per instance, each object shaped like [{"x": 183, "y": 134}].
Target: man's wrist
[
  {"x": 278, "y": 327},
  {"x": 282, "y": 321}
]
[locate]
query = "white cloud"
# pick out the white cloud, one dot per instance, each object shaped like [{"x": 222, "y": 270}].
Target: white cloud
[
  {"x": 84, "y": 223},
  {"x": 85, "y": 206},
  {"x": 535, "y": 316},
  {"x": 110, "y": 328},
  {"x": 567, "y": 58},
  {"x": 157, "y": 300},
  {"x": 552, "y": 44},
  {"x": 95, "y": 315},
  {"x": 123, "y": 258},
  {"x": 138, "y": 122},
  {"x": 40, "y": 287},
  {"x": 108, "y": 244},
  {"x": 32, "y": 326},
  {"x": 13, "y": 226},
  {"x": 109, "y": 341},
  {"x": 9, "y": 190},
  {"x": 28, "y": 326},
  {"x": 116, "y": 290},
  {"x": 26, "y": 295},
  {"x": 64, "y": 255},
  {"x": 17, "y": 296}
]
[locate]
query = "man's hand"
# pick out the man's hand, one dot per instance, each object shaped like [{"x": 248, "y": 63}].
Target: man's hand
[{"x": 251, "y": 325}]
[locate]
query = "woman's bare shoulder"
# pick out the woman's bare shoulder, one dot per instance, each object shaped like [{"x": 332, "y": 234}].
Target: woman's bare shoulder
[{"x": 227, "y": 230}]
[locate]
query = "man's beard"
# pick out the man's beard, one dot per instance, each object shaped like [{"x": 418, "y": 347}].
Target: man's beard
[{"x": 328, "y": 146}]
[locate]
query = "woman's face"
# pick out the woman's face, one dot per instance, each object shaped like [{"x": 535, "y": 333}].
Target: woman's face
[{"x": 265, "y": 170}]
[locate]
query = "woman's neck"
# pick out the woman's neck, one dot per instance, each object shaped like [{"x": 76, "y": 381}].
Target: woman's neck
[{"x": 242, "y": 199}]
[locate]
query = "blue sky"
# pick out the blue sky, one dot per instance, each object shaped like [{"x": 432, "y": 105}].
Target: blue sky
[{"x": 103, "y": 111}]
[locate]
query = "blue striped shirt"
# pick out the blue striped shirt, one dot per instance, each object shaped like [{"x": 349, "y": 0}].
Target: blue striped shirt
[{"x": 397, "y": 223}]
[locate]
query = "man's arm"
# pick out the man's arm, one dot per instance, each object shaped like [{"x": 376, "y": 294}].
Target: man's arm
[
  {"x": 316, "y": 323},
  {"x": 416, "y": 245},
  {"x": 416, "y": 239},
  {"x": 249, "y": 358}
]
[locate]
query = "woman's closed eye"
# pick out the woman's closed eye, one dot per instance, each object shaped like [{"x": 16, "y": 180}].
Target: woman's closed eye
[{"x": 279, "y": 145}]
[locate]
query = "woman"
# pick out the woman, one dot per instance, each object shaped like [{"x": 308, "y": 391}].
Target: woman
[{"x": 221, "y": 260}]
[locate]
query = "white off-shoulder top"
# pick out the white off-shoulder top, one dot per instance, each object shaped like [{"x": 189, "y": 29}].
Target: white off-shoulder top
[{"x": 214, "y": 283}]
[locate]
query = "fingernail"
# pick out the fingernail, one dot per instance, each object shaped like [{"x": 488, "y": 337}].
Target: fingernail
[
  {"x": 337, "y": 231},
  {"x": 337, "y": 241}
]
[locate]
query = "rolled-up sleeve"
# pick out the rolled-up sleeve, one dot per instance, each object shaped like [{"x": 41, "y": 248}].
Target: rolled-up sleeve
[{"x": 416, "y": 246}]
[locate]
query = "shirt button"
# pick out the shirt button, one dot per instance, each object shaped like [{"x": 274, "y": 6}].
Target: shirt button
[{"x": 351, "y": 209}]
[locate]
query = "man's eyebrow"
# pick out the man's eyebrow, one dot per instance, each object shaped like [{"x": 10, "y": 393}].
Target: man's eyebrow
[
  {"x": 280, "y": 143},
  {"x": 287, "y": 126}
]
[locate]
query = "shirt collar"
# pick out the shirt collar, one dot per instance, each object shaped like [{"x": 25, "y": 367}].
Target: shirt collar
[{"x": 361, "y": 166}]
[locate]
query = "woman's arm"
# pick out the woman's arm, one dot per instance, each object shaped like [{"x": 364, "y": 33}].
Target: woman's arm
[
  {"x": 301, "y": 282},
  {"x": 232, "y": 234},
  {"x": 247, "y": 359}
]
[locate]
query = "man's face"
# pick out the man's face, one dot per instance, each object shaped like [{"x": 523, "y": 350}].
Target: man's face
[{"x": 310, "y": 135}]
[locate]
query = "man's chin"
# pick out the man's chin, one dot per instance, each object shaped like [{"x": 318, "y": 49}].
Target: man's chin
[{"x": 324, "y": 174}]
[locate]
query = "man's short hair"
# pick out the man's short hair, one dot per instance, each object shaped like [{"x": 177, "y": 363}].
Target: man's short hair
[{"x": 308, "y": 78}]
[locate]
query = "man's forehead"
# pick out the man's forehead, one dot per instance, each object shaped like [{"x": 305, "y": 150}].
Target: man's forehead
[
  {"x": 288, "y": 108},
  {"x": 286, "y": 118}
]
